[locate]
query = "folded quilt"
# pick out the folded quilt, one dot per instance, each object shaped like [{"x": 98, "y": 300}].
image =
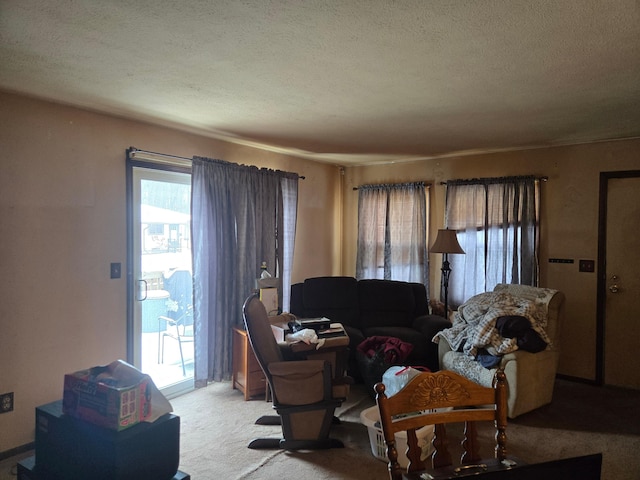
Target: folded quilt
[{"x": 474, "y": 323}]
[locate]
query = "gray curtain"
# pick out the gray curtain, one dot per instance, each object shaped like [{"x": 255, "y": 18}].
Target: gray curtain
[
  {"x": 238, "y": 221},
  {"x": 497, "y": 224},
  {"x": 392, "y": 233}
]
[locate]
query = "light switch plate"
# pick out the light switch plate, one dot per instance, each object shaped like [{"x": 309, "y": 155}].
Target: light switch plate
[
  {"x": 586, "y": 266},
  {"x": 116, "y": 270}
]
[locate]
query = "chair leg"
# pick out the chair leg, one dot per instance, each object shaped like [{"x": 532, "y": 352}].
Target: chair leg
[
  {"x": 159, "y": 335},
  {"x": 264, "y": 443},
  {"x": 281, "y": 443},
  {"x": 269, "y": 420},
  {"x": 275, "y": 420},
  {"x": 322, "y": 444},
  {"x": 184, "y": 371}
]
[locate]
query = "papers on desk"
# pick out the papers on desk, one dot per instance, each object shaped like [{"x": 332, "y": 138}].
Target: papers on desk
[
  {"x": 334, "y": 330},
  {"x": 306, "y": 335}
]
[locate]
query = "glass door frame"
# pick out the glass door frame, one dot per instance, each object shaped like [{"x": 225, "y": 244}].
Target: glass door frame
[{"x": 160, "y": 163}]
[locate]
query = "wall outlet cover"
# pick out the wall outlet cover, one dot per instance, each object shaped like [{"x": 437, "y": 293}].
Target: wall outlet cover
[
  {"x": 6, "y": 402},
  {"x": 116, "y": 270}
]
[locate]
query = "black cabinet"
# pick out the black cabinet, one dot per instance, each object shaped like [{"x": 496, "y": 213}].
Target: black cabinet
[{"x": 72, "y": 449}]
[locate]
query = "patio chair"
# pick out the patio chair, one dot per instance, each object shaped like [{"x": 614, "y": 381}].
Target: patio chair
[{"x": 180, "y": 329}]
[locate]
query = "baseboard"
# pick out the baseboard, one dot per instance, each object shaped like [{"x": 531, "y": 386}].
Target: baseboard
[
  {"x": 17, "y": 450},
  {"x": 577, "y": 380}
]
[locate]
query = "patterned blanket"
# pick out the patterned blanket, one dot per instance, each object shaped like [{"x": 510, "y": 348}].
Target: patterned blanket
[{"x": 474, "y": 323}]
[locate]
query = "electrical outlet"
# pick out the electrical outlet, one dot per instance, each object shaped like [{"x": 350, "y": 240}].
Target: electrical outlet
[{"x": 6, "y": 402}]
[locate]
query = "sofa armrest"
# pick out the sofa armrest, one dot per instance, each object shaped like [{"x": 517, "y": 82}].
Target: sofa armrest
[
  {"x": 429, "y": 325},
  {"x": 443, "y": 347}
]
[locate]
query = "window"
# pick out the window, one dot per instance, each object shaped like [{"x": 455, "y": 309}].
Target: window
[
  {"x": 392, "y": 241},
  {"x": 498, "y": 228}
]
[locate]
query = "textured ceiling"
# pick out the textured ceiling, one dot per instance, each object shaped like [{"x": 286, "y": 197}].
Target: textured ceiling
[{"x": 344, "y": 81}]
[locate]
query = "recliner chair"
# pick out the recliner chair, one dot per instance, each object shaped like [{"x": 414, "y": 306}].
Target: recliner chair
[
  {"x": 303, "y": 391},
  {"x": 530, "y": 376}
]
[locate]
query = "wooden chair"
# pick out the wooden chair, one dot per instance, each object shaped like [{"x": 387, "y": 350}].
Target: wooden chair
[{"x": 437, "y": 399}]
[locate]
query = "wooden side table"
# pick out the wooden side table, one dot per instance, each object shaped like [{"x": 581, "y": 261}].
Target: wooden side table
[{"x": 247, "y": 374}]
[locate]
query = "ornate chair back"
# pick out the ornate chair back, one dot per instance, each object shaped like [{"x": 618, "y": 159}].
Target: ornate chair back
[{"x": 437, "y": 399}]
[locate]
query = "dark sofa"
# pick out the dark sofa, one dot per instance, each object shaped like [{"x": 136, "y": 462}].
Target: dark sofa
[{"x": 369, "y": 308}]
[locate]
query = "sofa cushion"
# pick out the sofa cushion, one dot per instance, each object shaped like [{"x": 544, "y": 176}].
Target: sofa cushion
[
  {"x": 420, "y": 298},
  {"x": 386, "y": 303},
  {"x": 296, "y": 303},
  {"x": 333, "y": 297}
]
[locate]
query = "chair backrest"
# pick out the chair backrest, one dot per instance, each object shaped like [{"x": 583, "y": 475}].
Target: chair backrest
[
  {"x": 332, "y": 297},
  {"x": 553, "y": 300},
  {"x": 179, "y": 284},
  {"x": 437, "y": 399},
  {"x": 258, "y": 327}
]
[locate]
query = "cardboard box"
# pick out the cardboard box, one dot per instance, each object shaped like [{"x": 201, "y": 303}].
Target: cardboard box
[
  {"x": 269, "y": 282},
  {"x": 280, "y": 331},
  {"x": 269, "y": 297},
  {"x": 100, "y": 396}
]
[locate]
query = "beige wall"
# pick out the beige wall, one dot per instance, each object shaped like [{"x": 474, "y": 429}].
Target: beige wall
[
  {"x": 62, "y": 210},
  {"x": 569, "y": 221}
]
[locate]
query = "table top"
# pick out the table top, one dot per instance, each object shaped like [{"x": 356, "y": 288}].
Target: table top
[{"x": 338, "y": 339}]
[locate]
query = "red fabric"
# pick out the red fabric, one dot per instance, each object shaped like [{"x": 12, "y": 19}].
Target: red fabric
[{"x": 392, "y": 349}]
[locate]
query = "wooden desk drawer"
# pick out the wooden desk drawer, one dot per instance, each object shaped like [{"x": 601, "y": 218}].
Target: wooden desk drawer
[
  {"x": 247, "y": 374},
  {"x": 253, "y": 365}
]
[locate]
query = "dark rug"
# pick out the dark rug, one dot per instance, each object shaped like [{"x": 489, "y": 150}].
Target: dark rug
[{"x": 588, "y": 408}]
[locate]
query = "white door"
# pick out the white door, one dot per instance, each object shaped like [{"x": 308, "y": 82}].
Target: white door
[
  {"x": 161, "y": 340},
  {"x": 622, "y": 283}
]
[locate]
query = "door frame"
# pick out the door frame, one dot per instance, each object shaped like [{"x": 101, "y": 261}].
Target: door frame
[
  {"x": 153, "y": 161},
  {"x": 601, "y": 297}
]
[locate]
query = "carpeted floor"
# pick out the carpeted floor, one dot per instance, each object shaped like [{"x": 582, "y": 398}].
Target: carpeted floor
[
  {"x": 217, "y": 424},
  {"x": 582, "y": 407}
]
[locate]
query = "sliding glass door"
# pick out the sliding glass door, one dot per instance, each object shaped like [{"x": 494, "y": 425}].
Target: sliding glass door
[{"x": 161, "y": 325}]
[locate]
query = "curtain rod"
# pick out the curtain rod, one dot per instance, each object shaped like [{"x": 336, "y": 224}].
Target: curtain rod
[
  {"x": 542, "y": 179},
  {"x": 426, "y": 184},
  {"x": 166, "y": 158}
]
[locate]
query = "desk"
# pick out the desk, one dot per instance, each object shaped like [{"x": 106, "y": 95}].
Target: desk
[
  {"x": 335, "y": 349},
  {"x": 247, "y": 376}
]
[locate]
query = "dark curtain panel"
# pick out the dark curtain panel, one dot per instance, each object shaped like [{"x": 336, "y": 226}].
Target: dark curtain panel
[
  {"x": 498, "y": 228},
  {"x": 236, "y": 213}
]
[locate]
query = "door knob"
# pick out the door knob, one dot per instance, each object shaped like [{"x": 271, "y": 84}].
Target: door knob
[
  {"x": 142, "y": 291},
  {"x": 614, "y": 288}
]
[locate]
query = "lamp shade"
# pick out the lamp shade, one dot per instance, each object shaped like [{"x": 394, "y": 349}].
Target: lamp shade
[{"x": 446, "y": 242}]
